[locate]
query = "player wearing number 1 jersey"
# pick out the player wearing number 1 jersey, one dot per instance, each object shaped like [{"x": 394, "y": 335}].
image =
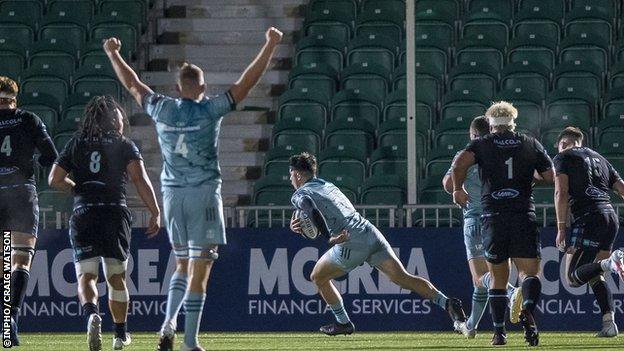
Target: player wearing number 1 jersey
[
  {"x": 188, "y": 130},
  {"x": 507, "y": 163}
]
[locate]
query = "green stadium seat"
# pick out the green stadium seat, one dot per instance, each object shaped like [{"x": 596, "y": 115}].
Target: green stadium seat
[
  {"x": 463, "y": 104},
  {"x": 331, "y": 24},
  {"x": 618, "y": 164},
  {"x": 43, "y": 105},
  {"x": 475, "y": 76},
  {"x": 69, "y": 28},
  {"x": 92, "y": 53},
  {"x": 557, "y": 7},
  {"x": 501, "y": 8},
  {"x": 429, "y": 86},
  {"x": 320, "y": 48},
  {"x": 570, "y": 106},
  {"x": 343, "y": 160},
  {"x": 585, "y": 47},
  {"x": 271, "y": 191},
  {"x": 393, "y": 133},
  {"x": 430, "y": 58},
  {"x": 383, "y": 18},
  {"x": 61, "y": 139},
  {"x": 347, "y": 6},
  {"x": 484, "y": 21},
  {"x": 366, "y": 77},
  {"x": 452, "y": 7},
  {"x": 303, "y": 102},
  {"x": 439, "y": 31},
  {"x": 619, "y": 49},
  {"x": 357, "y": 105},
  {"x": 545, "y": 195},
  {"x": 609, "y": 6},
  {"x": 589, "y": 19},
  {"x": 300, "y": 130},
  {"x": 613, "y": 105},
  {"x": 73, "y": 107},
  {"x": 348, "y": 185},
  {"x": 106, "y": 25},
  {"x": 438, "y": 162},
  {"x": 611, "y": 142},
  {"x": 482, "y": 49},
  {"x": 134, "y": 11},
  {"x": 56, "y": 54},
  {"x": 529, "y": 105},
  {"x": 452, "y": 135},
  {"x": 82, "y": 10},
  {"x": 23, "y": 8},
  {"x": 277, "y": 158},
  {"x": 442, "y": 217},
  {"x": 526, "y": 76},
  {"x": 538, "y": 20},
  {"x": 13, "y": 57},
  {"x": 97, "y": 79},
  {"x": 389, "y": 160},
  {"x": 350, "y": 131},
  {"x": 579, "y": 75},
  {"x": 315, "y": 77},
  {"x": 372, "y": 48},
  {"x": 533, "y": 49},
  {"x": 18, "y": 29},
  {"x": 384, "y": 190},
  {"x": 44, "y": 81},
  {"x": 616, "y": 75},
  {"x": 395, "y": 107}
]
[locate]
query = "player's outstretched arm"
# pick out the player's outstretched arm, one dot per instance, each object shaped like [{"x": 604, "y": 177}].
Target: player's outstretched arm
[
  {"x": 258, "y": 66},
  {"x": 126, "y": 75},
  {"x": 138, "y": 175},
  {"x": 462, "y": 162},
  {"x": 561, "y": 207},
  {"x": 59, "y": 179}
]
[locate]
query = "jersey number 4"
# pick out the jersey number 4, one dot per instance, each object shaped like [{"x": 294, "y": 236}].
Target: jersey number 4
[
  {"x": 5, "y": 148},
  {"x": 180, "y": 147}
]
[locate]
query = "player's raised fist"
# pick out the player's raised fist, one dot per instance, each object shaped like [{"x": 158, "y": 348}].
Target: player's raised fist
[
  {"x": 112, "y": 45},
  {"x": 273, "y": 35}
]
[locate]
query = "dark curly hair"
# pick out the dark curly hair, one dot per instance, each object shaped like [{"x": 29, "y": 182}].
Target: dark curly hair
[{"x": 100, "y": 116}]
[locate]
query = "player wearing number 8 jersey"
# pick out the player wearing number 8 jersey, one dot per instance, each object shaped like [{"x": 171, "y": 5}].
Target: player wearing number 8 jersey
[
  {"x": 507, "y": 163},
  {"x": 188, "y": 130}
]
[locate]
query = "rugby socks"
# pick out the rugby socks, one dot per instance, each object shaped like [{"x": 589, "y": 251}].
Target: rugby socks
[
  {"x": 339, "y": 312},
  {"x": 479, "y": 301},
  {"x": 604, "y": 298},
  {"x": 531, "y": 290},
  {"x": 440, "y": 299},
  {"x": 587, "y": 272},
  {"x": 120, "y": 330},
  {"x": 486, "y": 279},
  {"x": 498, "y": 305},
  {"x": 88, "y": 309},
  {"x": 19, "y": 282},
  {"x": 177, "y": 290},
  {"x": 193, "y": 306}
]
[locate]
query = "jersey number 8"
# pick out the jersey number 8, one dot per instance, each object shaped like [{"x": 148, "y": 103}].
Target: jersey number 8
[{"x": 94, "y": 165}]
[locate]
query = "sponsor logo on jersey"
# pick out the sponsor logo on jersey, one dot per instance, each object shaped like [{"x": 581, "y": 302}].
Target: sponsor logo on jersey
[
  {"x": 8, "y": 170},
  {"x": 594, "y": 192},
  {"x": 505, "y": 194},
  {"x": 505, "y": 143},
  {"x": 10, "y": 122}
]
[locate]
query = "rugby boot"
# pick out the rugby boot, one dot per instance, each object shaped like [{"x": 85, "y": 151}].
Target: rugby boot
[
  {"x": 531, "y": 335},
  {"x": 338, "y": 329}
]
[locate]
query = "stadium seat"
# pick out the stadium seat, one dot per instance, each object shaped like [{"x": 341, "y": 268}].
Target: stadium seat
[
  {"x": 374, "y": 49},
  {"x": 303, "y": 102},
  {"x": 611, "y": 143},
  {"x": 357, "y": 105},
  {"x": 526, "y": 77},
  {"x": 474, "y": 76},
  {"x": 545, "y": 195},
  {"x": 314, "y": 77},
  {"x": 320, "y": 48},
  {"x": 609, "y": 6},
  {"x": 538, "y": 20},
  {"x": 453, "y": 6},
  {"x": 533, "y": 49},
  {"x": 273, "y": 190},
  {"x": 463, "y": 104},
  {"x": 277, "y": 158},
  {"x": 618, "y": 53},
  {"x": 389, "y": 160},
  {"x": 350, "y": 131},
  {"x": 438, "y": 163},
  {"x": 616, "y": 75},
  {"x": 429, "y": 85},
  {"x": 488, "y": 17},
  {"x": 579, "y": 75},
  {"x": 366, "y": 77},
  {"x": 384, "y": 18},
  {"x": 529, "y": 105},
  {"x": 557, "y": 7},
  {"x": 393, "y": 133},
  {"x": 481, "y": 49},
  {"x": 43, "y": 105},
  {"x": 502, "y": 8},
  {"x": 91, "y": 54},
  {"x": 61, "y": 139},
  {"x": 431, "y": 217},
  {"x": 13, "y": 57},
  {"x": 348, "y": 185},
  {"x": 57, "y": 54},
  {"x": 589, "y": 19},
  {"x": 69, "y": 28},
  {"x": 81, "y": 10},
  {"x": 395, "y": 107},
  {"x": 585, "y": 47},
  {"x": 613, "y": 105},
  {"x": 331, "y": 24},
  {"x": 452, "y": 135},
  {"x": 384, "y": 190},
  {"x": 439, "y": 29},
  {"x": 133, "y": 10},
  {"x": 300, "y": 130},
  {"x": 18, "y": 29},
  {"x": 44, "y": 81},
  {"x": 570, "y": 106},
  {"x": 347, "y": 6},
  {"x": 74, "y": 106},
  {"x": 106, "y": 25},
  {"x": 343, "y": 160},
  {"x": 430, "y": 58}
]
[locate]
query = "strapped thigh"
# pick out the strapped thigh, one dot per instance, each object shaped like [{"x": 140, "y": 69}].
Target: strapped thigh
[
  {"x": 88, "y": 266},
  {"x": 23, "y": 250},
  {"x": 203, "y": 252}
]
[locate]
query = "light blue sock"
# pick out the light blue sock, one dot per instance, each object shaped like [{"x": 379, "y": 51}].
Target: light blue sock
[
  {"x": 177, "y": 289},
  {"x": 510, "y": 290},
  {"x": 193, "y": 306},
  {"x": 479, "y": 302},
  {"x": 440, "y": 300},
  {"x": 339, "y": 312},
  {"x": 486, "y": 279}
]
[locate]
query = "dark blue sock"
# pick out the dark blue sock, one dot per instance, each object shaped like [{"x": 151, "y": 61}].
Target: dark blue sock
[
  {"x": 498, "y": 305},
  {"x": 531, "y": 291},
  {"x": 120, "y": 330},
  {"x": 88, "y": 309},
  {"x": 19, "y": 282}
]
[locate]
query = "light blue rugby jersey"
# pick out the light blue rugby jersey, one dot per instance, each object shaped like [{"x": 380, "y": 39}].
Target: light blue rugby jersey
[
  {"x": 335, "y": 207},
  {"x": 472, "y": 184},
  {"x": 188, "y": 133}
]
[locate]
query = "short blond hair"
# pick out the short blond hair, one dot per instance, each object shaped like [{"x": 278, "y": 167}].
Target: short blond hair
[
  {"x": 504, "y": 112},
  {"x": 190, "y": 74}
]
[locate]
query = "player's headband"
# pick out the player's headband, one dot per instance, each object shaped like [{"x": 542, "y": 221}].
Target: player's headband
[
  {"x": 500, "y": 121},
  {"x": 6, "y": 96}
]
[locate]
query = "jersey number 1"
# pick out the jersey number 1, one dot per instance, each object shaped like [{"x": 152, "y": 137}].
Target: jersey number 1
[
  {"x": 180, "y": 147},
  {"x": 5, "y": 148},
  {"x": 509, "y": 164}
]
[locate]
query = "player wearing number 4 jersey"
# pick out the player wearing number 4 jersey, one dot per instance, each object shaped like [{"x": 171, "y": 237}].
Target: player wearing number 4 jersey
[
  {"x": 100, "y": 159},
  {"x": 21, "y": 132},
  {"x": 507, "y": 163},
  {"x": 188, "y": 130}
]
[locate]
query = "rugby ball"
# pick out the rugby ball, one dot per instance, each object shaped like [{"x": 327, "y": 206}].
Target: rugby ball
[{"x": 308, "y": 228}]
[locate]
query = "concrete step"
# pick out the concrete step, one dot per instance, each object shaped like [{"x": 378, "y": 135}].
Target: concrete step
[
  {"x": 260, "y": 90},
  {"x": 192, "y": 52},
  {"x": 249, "y": 159},
  {"x": 245, "y": 117},
  {"x": 244, "y": 145},
  {"x": 234, "y": 2},
  {"x": 259, "y": 102},
  {"x": 234, "y": 64},
  {"x": 237, "y": 187},
  {"x": 256, "y": 131},
  {"x": 242, "y": 11},
  {"x": 217, "y": 24},
  {"x": 227, "y": 37},
  {"x": 213, "y": 77}
]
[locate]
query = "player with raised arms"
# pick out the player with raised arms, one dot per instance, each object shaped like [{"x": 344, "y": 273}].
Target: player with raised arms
[
  {"x": 188, "y": 130},
  {"x": 100, "y": 160},
  {"x": 473, "y": 239},
  {"x": 355, "y": 241},
  {"x": 582, "y": 185},
  {"x": 507, "y": 163},
  {"x": 21, "y": 133}
]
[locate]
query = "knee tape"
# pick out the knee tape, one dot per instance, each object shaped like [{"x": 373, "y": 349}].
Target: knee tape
[
  {"x": 88, "y": 266},
  {"x": 209, "y": 254},
  {"x": 118, "y": 295},
  {"x": 113, "y": 267},
  {"x": 22, "y": 250}
]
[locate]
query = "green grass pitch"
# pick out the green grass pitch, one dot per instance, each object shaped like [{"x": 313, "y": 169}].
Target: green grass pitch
[{"x": 314, "y": 341}]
